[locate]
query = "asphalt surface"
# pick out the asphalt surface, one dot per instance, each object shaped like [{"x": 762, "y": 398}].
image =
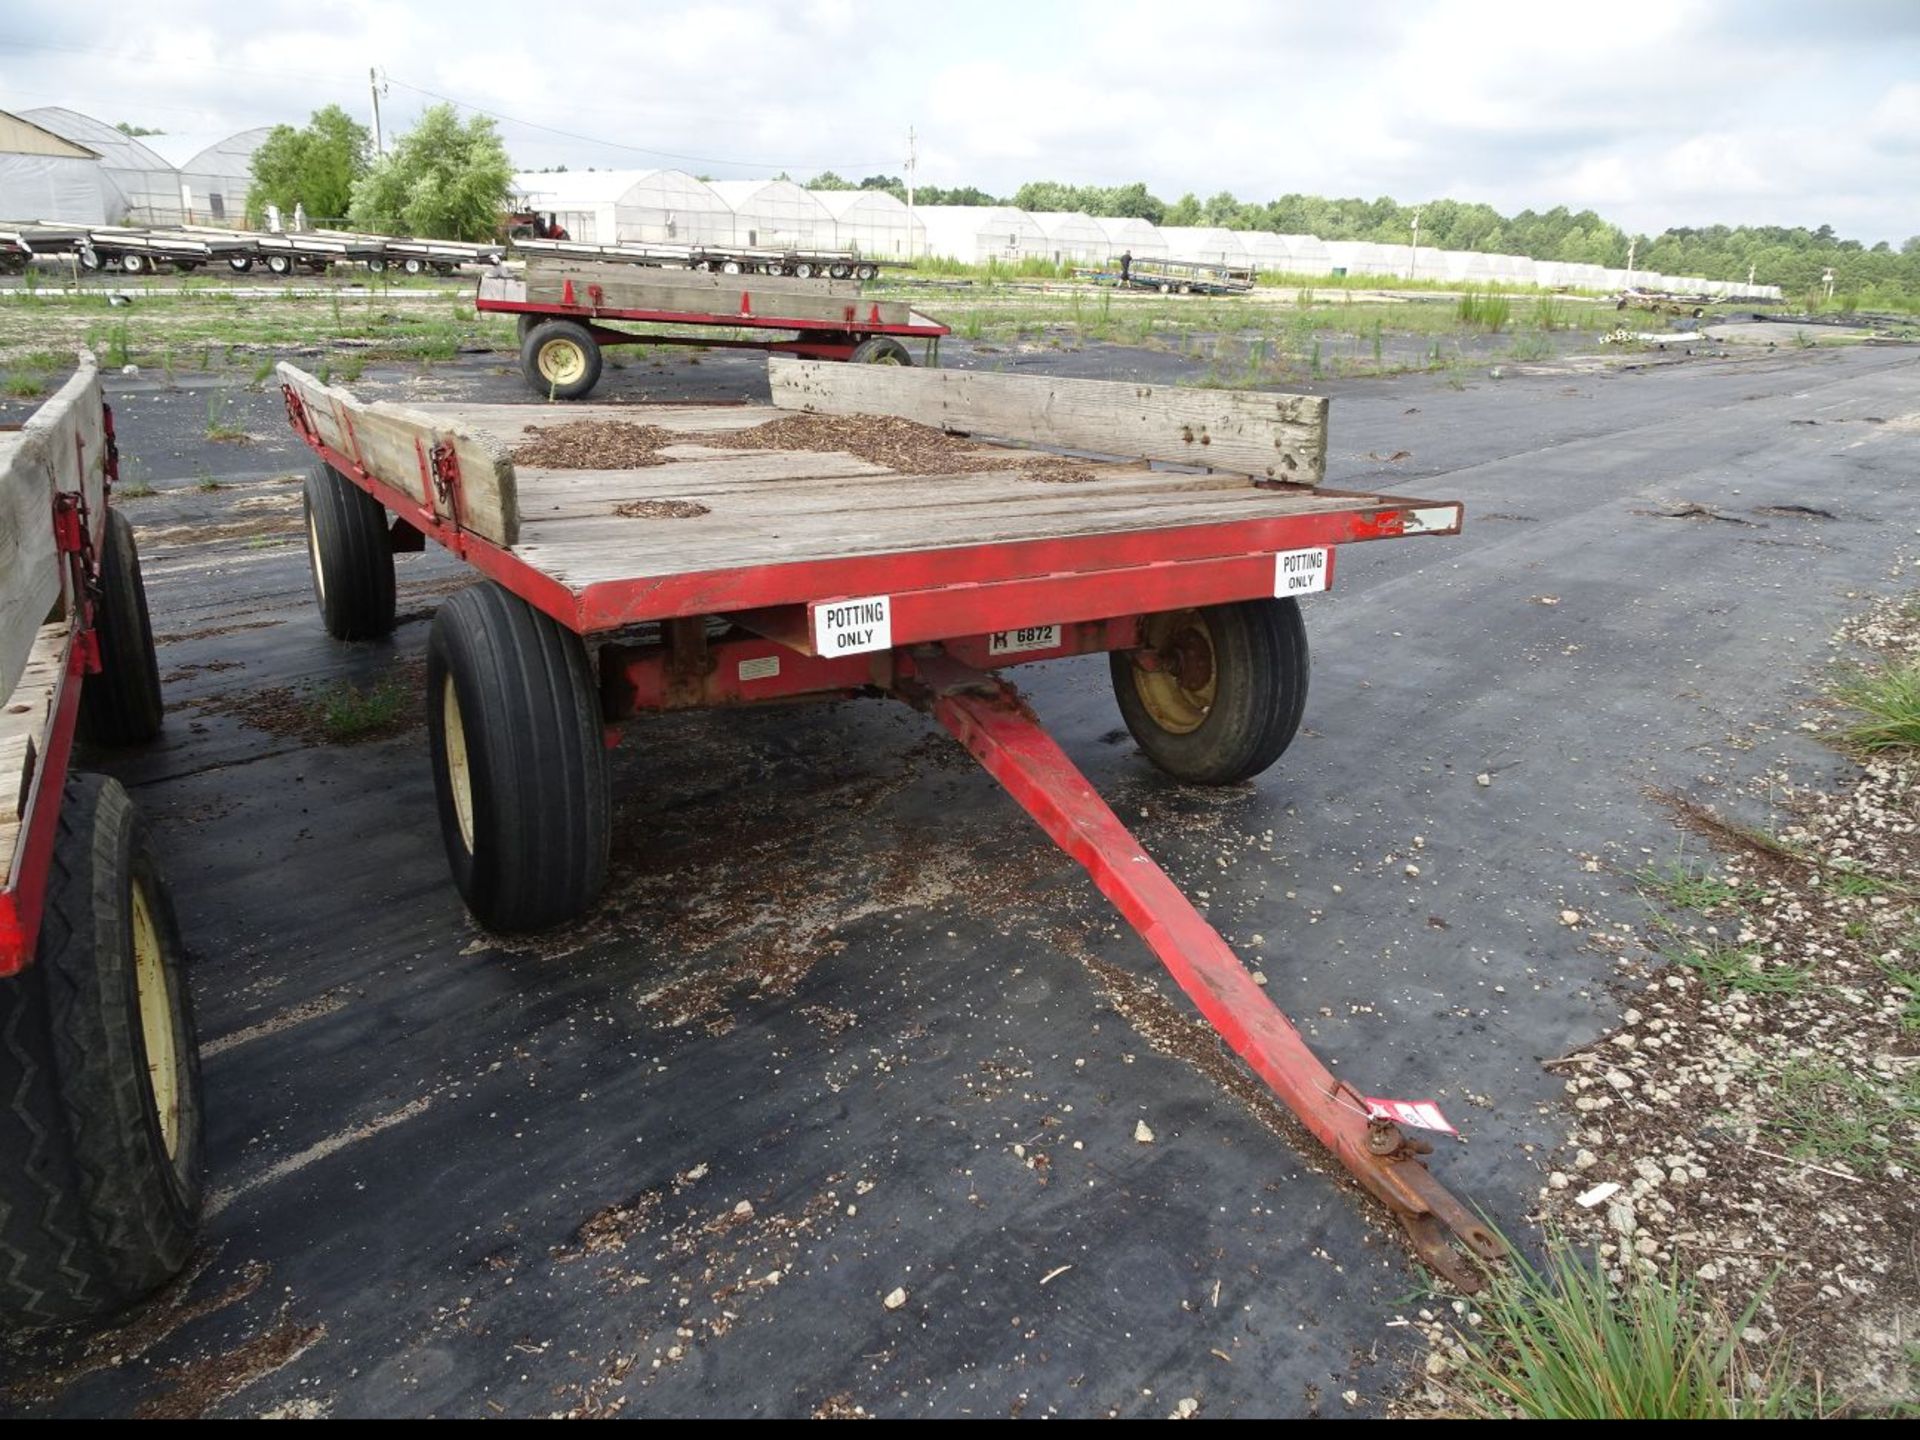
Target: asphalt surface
[{"x": 840, "y": 978}]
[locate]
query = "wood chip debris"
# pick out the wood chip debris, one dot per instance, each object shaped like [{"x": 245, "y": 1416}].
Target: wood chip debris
[
  {"x": 595, "y": 445},
  {"x": 1055, "y": 1273},
  {"x": 661, "y": 510},
  {"x": 904, "y": 446}
]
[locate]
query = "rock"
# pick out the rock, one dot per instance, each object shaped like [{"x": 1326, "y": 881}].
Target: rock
[
  {"x": 895, "y": 1298},
  {"x": 1569, "y": 918},
  {"x": 1483, "y": 779},
  {"x": 1557, "y": 1181},
  {"x": 1187, "y": 1408},
  {"x": 1259, "y": 977},
  {"x": 1142, "y": 1134},
  {"x": 1413, "y": 871}
]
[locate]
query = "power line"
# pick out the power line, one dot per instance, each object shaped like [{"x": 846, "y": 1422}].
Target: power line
[{"x": 635, "y": 149}]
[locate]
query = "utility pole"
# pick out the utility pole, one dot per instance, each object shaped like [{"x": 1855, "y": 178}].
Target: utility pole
[
  {"x": 373, "y": 88},
  {"x": 1633, "y": 245},
  {"x": 1413, "y": 256},
  {"x": 913, "y": 157}
]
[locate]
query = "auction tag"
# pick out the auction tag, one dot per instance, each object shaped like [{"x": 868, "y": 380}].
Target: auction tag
[
  {"x": 853, "y": 627},
  {"x": 1420, "y": 1114},
  {"x": 1300, "y": 572},
  {"x": 762, "y": 667},
  {"x": 1014, "y": 642}
]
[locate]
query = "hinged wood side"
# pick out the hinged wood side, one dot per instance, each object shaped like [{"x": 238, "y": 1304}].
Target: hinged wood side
[
  {"x": 395, "y": 444},
  {"x": 694, "y": 292},
  {"x": 1268, "y": 436},
  {"x": 62, "y": 446}
]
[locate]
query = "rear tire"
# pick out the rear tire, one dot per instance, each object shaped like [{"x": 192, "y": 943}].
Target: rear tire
[
  {"x": 100, "y": 1107},
  {"x": 880, "y": 350},
  {"x": 1228, "y": 693},
  {"x": 560, "y": 360},
  {"x": 122, "y": 705},
  {"x": 519, "y": 766},
  {"x": 279, "y": 265},
  {"x": 350, "y": 551},
  {"x": 240, "y": 264}
]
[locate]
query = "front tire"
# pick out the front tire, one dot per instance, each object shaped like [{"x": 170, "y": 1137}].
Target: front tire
[
  {"x": 350, "y": 551},
  {"x": 880, "y": 350},
  {"x": 560, "y": 360},
  {"x": 519, "y": 765},
  {"x": 100, "y": 1107},
  {"x": 1216, "y": 694},
  {"x": 121, "y": 705}
]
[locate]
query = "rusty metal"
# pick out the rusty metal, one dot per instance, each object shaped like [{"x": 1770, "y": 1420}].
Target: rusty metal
[{"x": 988, "y": 716}]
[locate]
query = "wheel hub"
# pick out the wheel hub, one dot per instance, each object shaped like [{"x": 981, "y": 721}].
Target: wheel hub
[
  {"x": 156, "y": 1021},
  {"x": 1179, "y": 681},
  {"x": 562, "y": 362}
]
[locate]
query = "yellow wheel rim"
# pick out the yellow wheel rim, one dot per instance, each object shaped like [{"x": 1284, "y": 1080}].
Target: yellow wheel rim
[
  {"x": 562, "y": 361},
  {"x": 157, "y": 1030},
  {"x": 886, "y": 358},
  {"x": 459, "y": 775},
  {"x": 1179, "y": 692},
  {"x": 313, "y": 558}
]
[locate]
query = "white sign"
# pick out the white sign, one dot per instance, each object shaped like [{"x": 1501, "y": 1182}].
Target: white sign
[
  {"x": 1421, "y": 1114},
  {"x": 763, "y": 667},
  {"x": 1300, "y": 572},
  {"x": 853, "y": 627},
  {"x": 1034, "y": 637}
]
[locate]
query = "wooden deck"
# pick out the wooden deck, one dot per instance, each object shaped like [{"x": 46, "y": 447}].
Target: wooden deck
[{"x": 772, "y": 507}]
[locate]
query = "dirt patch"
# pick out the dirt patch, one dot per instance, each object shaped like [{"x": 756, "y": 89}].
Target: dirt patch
[
  {"x": 661, "y": 510},
  {"x": 339, "y": 714},
  {"x": 214, "y": 631},
  {"x": 202, "y": 1384},
  {"x": 253, "y": 527},
  {"x": 1690, "y": 510},
  {"x": 595, "y": 445},
  {"x": 903, "y": 446}
]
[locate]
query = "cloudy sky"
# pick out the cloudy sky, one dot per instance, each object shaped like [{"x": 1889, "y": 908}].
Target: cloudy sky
[{"x": 1673, "y": 113}]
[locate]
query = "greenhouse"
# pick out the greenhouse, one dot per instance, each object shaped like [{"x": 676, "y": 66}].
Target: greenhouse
[
  {"x": 1270, "y": 254},
  {"x": 1073, "y": 237},
  {"x": 213, "y": 178},
  {"x": 1468, "y": 267},
  {"x": 1130, "y": 235},
  {"x": 976, "y": 234},
  {"x": 1365, "y": 257},
  {"x": 143, "y": 189},
  {"x": 1205, "y": 244},
  {"x": 873, "y": 222},
  {"x": 46, "y": 177},
  {"x": 776, "y": 215},
  {"x": 652, "y": 207},
  {"x": 1310, "y": 254}
]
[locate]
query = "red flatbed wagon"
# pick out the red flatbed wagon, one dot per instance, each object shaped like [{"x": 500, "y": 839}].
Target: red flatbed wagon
[
  {"x": 762, "y": 554},
  {"x": 101, "y": 1143},
  {"x": 567, "y": 311}
]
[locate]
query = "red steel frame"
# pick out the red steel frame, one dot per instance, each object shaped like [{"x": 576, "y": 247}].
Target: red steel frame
[
  {"x": 853, "y": 326},
  {"x": 23, "y": 893},
  {"x": 1099, "y": 590}
]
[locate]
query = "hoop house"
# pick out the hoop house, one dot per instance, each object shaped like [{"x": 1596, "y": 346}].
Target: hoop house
[
  {"x": 1270, "y": 254},
  {"x": 1130, "y": 235},
  {"x": 145, "y": 189},
  {"x": 214, "y": 178},
  {"x": 1364, "y": 257},
  {"x": 1072, "y": 235},
  {"x": 1468, "y": 267},
  {"x": 44, "y": 176},
  {"x": 976, "y": 234},
  {"x": 1205, "y": 244},
  {"x": 776, "y": 215},
  {"x": 1310, "y": 254},
  {"x": 649, "y": 207},
  {"x": 873, "y": 222}
]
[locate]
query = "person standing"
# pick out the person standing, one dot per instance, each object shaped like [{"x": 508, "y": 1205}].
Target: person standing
[{"x": 1126, "y": 267}]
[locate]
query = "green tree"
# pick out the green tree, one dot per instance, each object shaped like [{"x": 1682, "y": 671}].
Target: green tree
[
  {"x": 315, "y": 167},
  {"x": 1184, "y": 211},
  {"x": 444, "y": 180},
  {"x": 135, "y": 131},
  {"x": 827, "y": 180}
]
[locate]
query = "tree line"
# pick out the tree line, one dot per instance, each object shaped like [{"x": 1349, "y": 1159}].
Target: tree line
[{"x": 449, "y": 179}]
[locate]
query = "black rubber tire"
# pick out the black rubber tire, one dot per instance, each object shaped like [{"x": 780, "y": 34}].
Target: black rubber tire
[
  {"x": 240, "y": 264},
  {"x": 350, "y": 552},
  {"x": 279, "y": 265},
  {"x": 533, "y": 851},
  {"x": 122, "y": 705},
  {"x": 413, "y": 265},
  {"x": 1261, "y": 665},
  {"x": 880, "y": 350},
  {"x": 546, "y": 333},
  {"x": 523, "y": 325},
  {"x": 377, "y": 266},
  {"x": 866, "y": 272},
  {"x": 94, "y": 1211}
]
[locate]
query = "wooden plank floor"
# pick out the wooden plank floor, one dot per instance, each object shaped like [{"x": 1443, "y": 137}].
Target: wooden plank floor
[{"x": 772, "y": 507}]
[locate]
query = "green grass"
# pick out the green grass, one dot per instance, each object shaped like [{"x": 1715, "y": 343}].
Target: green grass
[
  {"x": 25, "y": 385},
  {"x": 1725, "y": 967},
  {"x": 1559, "y": 1341},
  {"x": 134, "y": 490},
  {"x": 1887, "y": 698},
  {"x": 220, "y": 428},
  {"x": 1481, "y": 310},
  {"x": 1827, "y": 1113},
  {"x": 1531, "y": 347},
  {"x": 1905, "y": 978},
  {"x": 345, "y": 713},
  {"x": 1686, "y": 888}
]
